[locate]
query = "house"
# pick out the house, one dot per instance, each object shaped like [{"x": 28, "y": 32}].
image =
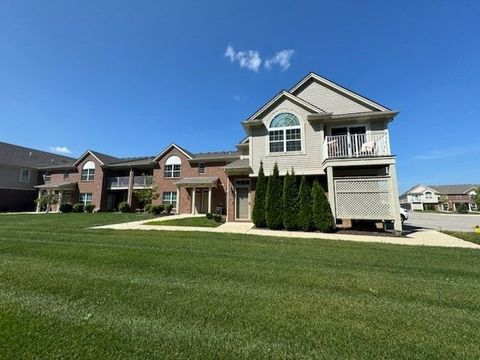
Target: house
[
  {"x": 19, "y": 173},
  {"x": 319, "y": 128},
  {"x": 440, "y": 197}
]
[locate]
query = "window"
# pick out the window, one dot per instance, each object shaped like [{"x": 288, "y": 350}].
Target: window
[
  {"x": 201, "y": 168},
  {"x": 47, "y": 176},
  {"x": 428, "y": 195},
  {"x": 88, "y": 171},
  {"x": 66, "y": 174},
  {"x": 170, "y": 197},
  {"x": 24, "y": 175},
  {"x": 285, "y": 134},
  {"x": 86, "y": 198},
  {"x": 172, "y": 167}
]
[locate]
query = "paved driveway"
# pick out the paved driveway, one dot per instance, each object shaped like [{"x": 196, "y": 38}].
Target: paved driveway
[{"x": 453, "y": 222}]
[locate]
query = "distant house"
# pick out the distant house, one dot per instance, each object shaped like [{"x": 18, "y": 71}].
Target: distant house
[
  {"x": 440, "y": 197},
  {"x": 19, "y": 173}
]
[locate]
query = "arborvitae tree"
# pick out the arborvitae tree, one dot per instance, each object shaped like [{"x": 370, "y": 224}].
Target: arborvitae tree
[
  {"x": 273, "y": 204},
  {"x": 322, "y": 217},
  {"x": 290, "y": 204},
  {"x": 258, "y": 213},
  {"x": 305, "y": 206}
]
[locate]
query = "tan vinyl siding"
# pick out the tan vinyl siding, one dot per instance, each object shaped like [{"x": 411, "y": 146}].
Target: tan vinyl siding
[
  {"x": 329, "y": 100},
  {"x": 10, "y": 178},
  {"x": 309, "y": 161}
]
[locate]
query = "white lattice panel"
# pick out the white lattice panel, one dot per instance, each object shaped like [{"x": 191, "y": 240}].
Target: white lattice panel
[{"x": 367, "y": 199}]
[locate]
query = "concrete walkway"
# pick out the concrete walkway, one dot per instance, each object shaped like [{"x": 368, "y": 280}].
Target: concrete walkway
[{"x": 424, "y": 237}]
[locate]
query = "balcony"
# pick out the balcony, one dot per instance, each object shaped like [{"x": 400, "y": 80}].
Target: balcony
[
  {"x": 121, "y": 182},
  {"x": 371, "y": 144}
]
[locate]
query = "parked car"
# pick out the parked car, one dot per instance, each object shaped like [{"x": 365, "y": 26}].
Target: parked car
[{"x": 403, "y": 214}]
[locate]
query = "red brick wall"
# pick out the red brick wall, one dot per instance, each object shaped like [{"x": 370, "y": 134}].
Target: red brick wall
[
  {"x": 231, "y": 195},
  {"x": 98, "y": 187},
  {"x": 189, "y": 170}
]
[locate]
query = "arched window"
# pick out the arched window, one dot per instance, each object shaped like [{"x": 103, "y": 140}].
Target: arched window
[
  {"x": 88, "y": 171},
  {"x": 428, "y": 195},
  {"x": 285, "y": 134},
  {"x": 172, "y": 167}
]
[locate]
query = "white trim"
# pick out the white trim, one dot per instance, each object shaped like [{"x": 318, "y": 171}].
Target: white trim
[
  {"x": 302, "y": 134},
  {"x": 291, "y": 97},
  {"x": 244, "y": 186},
  {"x": 79, "y": 160},
  {"x": 339, "y": 89},
  {"x": 168, "y": 148}
]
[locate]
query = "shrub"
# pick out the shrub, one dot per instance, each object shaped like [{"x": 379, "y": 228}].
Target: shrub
[
  {"x": 322, "y": 217},
  {"x": 148, "y": 208},
  {"x": 124, "y": 207},
  {"x": 273, "y": 203},
  {"x": 89, "y": 208},
  {"x": 258, "y": 213},
  {"x": 304, "y": 206},
  {"x": 217, "y": 218},
  {"x": 157, "y": 209},
  {"x": 289, "y": 202},
  {"x": 168, "y": 208},
  {"x": 77, "y": 208},
  {"x": 209, "y": 216},
  {"x": 462, "y": 209},
  {"x": 66, "y": 208}
]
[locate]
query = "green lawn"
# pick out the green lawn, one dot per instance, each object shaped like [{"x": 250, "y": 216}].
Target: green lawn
[
  {"x": 468, "y": 236},
  {"x": 190, "y": 221},
  {"x": 67, "y": 291}
]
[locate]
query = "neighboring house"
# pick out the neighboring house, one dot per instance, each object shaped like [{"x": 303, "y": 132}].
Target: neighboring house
[
  {"x": 421, "y": 197},
  {"x": 440, "y": 197},
  {"x": 19, "y": 173},
  {"x": 319, "y": 128}
]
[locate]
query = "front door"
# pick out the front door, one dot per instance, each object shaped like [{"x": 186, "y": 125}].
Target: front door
[
  {"x": 204, "y": 201},
  {"x": 242, "y": 203}
]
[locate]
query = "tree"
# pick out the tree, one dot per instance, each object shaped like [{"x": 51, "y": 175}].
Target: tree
[
  {"x": 476, "y": 198},
  {"x": 47, "y": 200},
  {"x": 146, "y": 195},
  {"x": 258, "y": 213},
  {"x": 273, "y": 202},
  {"x": 290, "y": 204},
  {"x": 305, "y": 206},
  {"x": 322, "y": 217}
]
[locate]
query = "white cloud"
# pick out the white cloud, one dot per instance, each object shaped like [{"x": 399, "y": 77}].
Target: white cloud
[
  {"x": 282, "y": 59},
  {"x": 249, "y": 59},
  {"x": 446, "y": 153},
  {"x": 60, "y": 150}
]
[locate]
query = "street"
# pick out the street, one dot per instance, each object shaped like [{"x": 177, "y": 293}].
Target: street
[{"x": 440, "y": 221}]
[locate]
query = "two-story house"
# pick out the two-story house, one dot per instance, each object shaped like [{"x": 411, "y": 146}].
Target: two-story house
[
  {"x": 421, "y": 197},
  {"x": 318, "y": 128}
]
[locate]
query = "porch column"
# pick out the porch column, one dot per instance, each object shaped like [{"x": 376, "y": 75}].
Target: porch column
[
  {"x": 193, "y": 200},
  {"x": 395, "y": 203},
  {"x": 60, "y": 198},
  {"x": 331, "y": 192},
  {"x": 130, "y": 187},
  {"x": 177, "y": 208},
  {"x": 209, "y": 199},
  {"x": 38, "y": 200}
]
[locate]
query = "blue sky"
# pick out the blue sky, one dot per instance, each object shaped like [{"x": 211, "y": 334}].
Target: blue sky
[{"x": 128, "y": 78}]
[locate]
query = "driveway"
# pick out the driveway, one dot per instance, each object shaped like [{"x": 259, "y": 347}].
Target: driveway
[{"x": 439, "y": 221}]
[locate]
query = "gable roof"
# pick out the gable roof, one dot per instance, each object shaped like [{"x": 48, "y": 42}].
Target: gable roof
[
  {"x": 185, "y": 152},
  {"x": 280, "y": 95},
  {"x": 102, "y": 158},
  {"x": 454, "y": 189},
  {"x": 16, "y": 155},
  {"x": 419, "y": 189},
  {"x": 338, "y": 88}
]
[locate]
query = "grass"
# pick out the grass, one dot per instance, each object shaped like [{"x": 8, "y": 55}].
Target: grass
[
  {"x": 190, "y": 221},
  {"x": 467, "y": 236},
  {"x": 67, "y": 291}
]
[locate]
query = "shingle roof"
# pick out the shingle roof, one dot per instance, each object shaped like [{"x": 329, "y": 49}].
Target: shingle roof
[
  {"x": 104, "y": 158},
  {"x": 22, "y": 156},
  {"x": 239, "y": 164},
  {"x": 216, "y": 155},
  {"x": 453, "y": 189},
  {"x": 136, "y": 161},
  {"x": 198, "y": 181}
]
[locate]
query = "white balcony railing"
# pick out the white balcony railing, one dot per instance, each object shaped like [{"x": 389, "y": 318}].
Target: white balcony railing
[
  {"x": 121, "y": 182},
  {"x": 356, "y": 145}
]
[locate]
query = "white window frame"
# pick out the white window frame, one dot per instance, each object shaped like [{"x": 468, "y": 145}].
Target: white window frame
[
  {"x": 47, "y": 176},
  {"x": 88, "y": 171},
  {"x": 22, "y": 178},
  {"x": 85, "y": 200},
  {"x": 173, "y": 167},
  {"x": 201, "y": 168},
  {"x": 171, "y": 198},
  {"x": 428, "y": 195},
  {"x": 283, "y": 132}
]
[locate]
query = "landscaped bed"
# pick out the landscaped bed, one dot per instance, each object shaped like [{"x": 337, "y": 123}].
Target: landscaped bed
[
  {"x": 67, "y": 291},
  {"x": 188, "y": 221}
]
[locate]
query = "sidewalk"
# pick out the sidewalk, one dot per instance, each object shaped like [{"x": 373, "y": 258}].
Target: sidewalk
[{"x": 424, "y": 238}]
